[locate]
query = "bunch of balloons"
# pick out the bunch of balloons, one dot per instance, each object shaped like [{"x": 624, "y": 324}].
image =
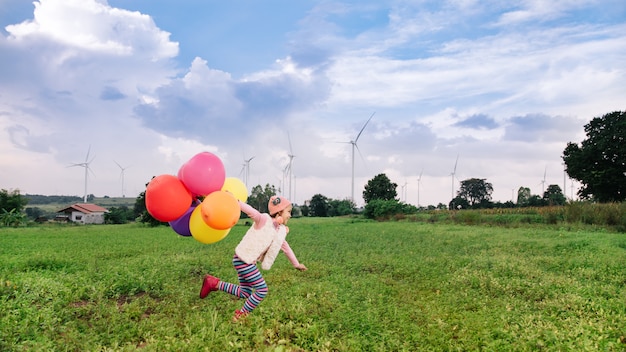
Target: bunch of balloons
[{"x": 176, "y": 199}]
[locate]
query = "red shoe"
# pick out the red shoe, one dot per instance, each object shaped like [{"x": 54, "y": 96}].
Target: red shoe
[
  {"x": 209, "y": 285},
  {"x": 239, "y": 314}
]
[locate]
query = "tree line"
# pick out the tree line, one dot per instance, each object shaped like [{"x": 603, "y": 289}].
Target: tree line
[{"x": 598, "y": 163}]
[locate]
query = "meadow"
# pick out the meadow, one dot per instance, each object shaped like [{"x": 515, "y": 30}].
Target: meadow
[{"x": 371, "y": 286}]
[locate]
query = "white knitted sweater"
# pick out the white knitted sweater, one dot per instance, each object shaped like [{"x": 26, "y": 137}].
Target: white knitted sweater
[{"x": 262, "y": 244}]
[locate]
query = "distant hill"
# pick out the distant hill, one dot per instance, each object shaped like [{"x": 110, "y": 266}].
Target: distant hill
[{"x": 53, "y": 203}]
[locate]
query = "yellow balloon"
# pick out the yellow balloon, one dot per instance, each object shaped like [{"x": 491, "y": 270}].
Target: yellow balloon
[
  {"x": 236, "y": 187},
  {"x": 202, "y": 232}
]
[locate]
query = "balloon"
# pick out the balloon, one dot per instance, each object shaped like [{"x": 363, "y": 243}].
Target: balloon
[
  {"x": 220, "y": 210},
  {"x": 201, "y": 231},
  {"x": 167, "y": 198},
  {"x": 202, "y": 174},
  {"x": 236, "y": 187},
  {"x": 181, "y": 225}
]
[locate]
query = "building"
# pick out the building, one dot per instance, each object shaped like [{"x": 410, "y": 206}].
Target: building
[{"x": 84, "y": 213}]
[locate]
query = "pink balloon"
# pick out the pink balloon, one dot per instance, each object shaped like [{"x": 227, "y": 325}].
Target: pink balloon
[{"x": 202, "y": 174}]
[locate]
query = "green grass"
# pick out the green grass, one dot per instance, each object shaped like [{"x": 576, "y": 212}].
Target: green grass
[{"x": 371, "y": 286}]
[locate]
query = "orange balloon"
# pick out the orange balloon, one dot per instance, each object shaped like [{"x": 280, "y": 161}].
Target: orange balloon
[
  {"x": 201, "y": 232},
  {"x": 167, "y": 198},
  {"x": 220, "y": 210}
]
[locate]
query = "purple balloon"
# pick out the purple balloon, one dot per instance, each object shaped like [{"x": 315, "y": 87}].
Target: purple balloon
[{"x": 181, "y": 225}]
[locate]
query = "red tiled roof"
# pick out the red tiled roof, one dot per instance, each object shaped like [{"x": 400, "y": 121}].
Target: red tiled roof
[{"x": 85, "y": 208}]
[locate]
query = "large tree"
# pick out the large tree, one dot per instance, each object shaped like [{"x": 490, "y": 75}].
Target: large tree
[
  {"x": 380, "y": 187},
  {"x": 554, "y": 196},
  {"x": 599, "y": 163},
  {"x": 259, "y": 197},
  {"x": 12, "y": 201},
  {"x": 319, "y": 206},
  {"x": 523, "y": 196},
  {"x": 476, "y": 191}
]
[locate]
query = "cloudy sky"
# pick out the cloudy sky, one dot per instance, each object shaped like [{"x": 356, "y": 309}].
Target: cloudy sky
[{"x": 143, "y": 85}]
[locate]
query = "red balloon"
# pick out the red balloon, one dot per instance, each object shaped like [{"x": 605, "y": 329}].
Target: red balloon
[
  {"x": 203, "y": 174},
  {"x": 167, "y": 198},
  {"x": 220, "y": 210}
]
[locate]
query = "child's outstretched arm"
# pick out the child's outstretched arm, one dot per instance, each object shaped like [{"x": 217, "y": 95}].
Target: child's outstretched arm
[
  {"x": 255, "y": 215},
  {"x": 292, "y": 256}
]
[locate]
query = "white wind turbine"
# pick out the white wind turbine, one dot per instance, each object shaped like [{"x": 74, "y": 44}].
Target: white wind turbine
[
  {"x": 543, "y": 182},
  {"x": 289, "y": 167},
  {"x": 122, "y": 175},
  {"x": 419, "y": 180},
  {"x": 453, "y": 174},
  {"x": 85, "y": 165},
  {"x": 355, "y": 146},
  {"x": 404, "y": 191},
  {"x": 246, "y": 170}
]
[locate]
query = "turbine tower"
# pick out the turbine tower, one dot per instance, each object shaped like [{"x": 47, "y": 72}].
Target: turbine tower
[
  {"x": 419, "y": 180},
  {"x": 122, "y": 175},
  {"x": 543, "y": 182},
  {"x": 85, "y": 165},
  {"x": 355, "y": 146},
  {"x": 453, "y": 174},
  {"x": 246, "y": 170},
  {"x": 404, "y": 191},
  {"x": 289, "y": 166}
]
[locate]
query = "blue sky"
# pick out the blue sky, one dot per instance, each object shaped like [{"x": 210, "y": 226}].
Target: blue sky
[{"x": 147, "y": 84}]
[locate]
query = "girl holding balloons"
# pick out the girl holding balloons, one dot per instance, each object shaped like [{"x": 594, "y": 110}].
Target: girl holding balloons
[{"x": 261, "y": 243}]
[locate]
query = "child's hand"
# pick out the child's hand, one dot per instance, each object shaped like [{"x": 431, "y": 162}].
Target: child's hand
[{"x": 301, "y": 267}]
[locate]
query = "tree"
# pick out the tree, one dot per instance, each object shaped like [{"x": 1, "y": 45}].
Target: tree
[
  {"x": 341, "y": 207},
  {"x": 259, "y": 197},
  {"x": 554, "y": 196},
  {"x": 458, "y": 203},
  {"x": 141, "y": 212},
  {"x": 476, "y": 191},
  {"x": 318, "y": 206},
  {"x": 121, "y": 215},
  {"x": 12, "y": 200},
  {"x": 380, "y": 187},
  {"x": 599, "y": 163},
  {"x": 523, "y": 196}
]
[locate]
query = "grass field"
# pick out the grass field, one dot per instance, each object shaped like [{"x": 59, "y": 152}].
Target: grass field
[{"x": 371, "y": 286}]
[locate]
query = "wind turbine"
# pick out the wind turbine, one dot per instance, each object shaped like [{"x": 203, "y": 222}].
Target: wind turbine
[
  {"x": 290, "y": 165},
  {"x": 122, "y": 176},
  {"x": 543, "y": 182},
  {"x": 355, "y": 146},
  {"x": 246, "y": 170},
  {"x": 85, "y": 165},
  {"x": 453, "y": 174},
  {"x": 419, "y": 180},
  {"x": 404, "y": 190}
]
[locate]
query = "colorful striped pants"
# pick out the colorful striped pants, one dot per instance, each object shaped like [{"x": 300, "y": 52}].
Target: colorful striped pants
[{"x": 251, "y": 286}]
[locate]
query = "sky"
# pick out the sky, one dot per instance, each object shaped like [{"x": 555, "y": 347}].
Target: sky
[{"x": 456, "y": 89}]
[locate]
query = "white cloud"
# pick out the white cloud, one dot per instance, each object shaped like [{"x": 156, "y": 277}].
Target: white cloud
[{"x": 94, "y": 26}]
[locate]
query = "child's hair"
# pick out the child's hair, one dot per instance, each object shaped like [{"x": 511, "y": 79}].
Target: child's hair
[{"x": 277, "y": 204}]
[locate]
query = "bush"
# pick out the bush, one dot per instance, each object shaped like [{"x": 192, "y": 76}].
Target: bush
[{"x": 383, "y": 209}]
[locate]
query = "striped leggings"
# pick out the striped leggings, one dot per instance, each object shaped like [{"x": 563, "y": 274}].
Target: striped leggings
[{"x": 251, "y": 286}]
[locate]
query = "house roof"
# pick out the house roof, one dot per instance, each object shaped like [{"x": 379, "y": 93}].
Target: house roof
[{"x": 85, "y": 208}]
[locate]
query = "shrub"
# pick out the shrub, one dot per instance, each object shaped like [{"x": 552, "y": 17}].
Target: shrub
[{"x": 383, "y": 209}]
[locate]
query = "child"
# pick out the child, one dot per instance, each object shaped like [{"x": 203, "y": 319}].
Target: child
[{"x": 261, "y": 243}]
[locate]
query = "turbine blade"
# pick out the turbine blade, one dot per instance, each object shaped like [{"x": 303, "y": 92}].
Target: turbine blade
[
  {"x": 361, "y": 131},
  {"x": 289, "y": 139}
]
